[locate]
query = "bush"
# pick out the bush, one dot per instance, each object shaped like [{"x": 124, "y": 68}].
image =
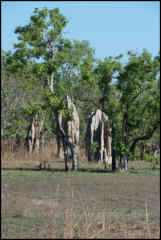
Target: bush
[
  {"x": 136, "y": 154},
  {"x": 148, "y": 157}
]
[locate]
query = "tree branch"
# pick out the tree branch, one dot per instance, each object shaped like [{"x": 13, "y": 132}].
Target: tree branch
[
  {"x": 146, "y": 137},
  {"x": 118, "y": 98},
  {"x": 141, "y": 114},
  {"x": 95, "y": 104}
]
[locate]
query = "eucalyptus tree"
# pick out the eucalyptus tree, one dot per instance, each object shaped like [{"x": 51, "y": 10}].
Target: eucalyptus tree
[
  {"x": 139, "y": 101},
  {"x": 55, "y": 61},
  {"x": 130, "y": 97}
]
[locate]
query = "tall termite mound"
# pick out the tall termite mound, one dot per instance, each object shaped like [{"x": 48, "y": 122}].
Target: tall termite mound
[
  {"x": 97, "y": 138},
  {"x": 71, "y": 128}
]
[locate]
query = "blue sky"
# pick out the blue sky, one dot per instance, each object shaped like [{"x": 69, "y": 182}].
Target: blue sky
[{"x": 111, "y": 27}]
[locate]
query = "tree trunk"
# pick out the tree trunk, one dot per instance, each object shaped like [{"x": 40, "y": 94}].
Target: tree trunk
[
  {"x": 142, "y": 151},
  {"x": 65, "y": 148},
  {"x": 73, "y": 151},
  {"x": 124, "y": 158},
  {"x": 66, "y": 144},
  {"x": 60, "y": 151},
  {"x": 124, "y": 163},
  {"x": 113, "y": 150},
  {"x": 124, "y": 127}
]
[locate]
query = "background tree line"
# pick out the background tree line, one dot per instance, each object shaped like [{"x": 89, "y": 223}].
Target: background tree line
[{"x": 45, "y": 67}]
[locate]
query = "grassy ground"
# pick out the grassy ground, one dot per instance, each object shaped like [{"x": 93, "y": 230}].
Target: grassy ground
[{"x": 88, "y": 203}]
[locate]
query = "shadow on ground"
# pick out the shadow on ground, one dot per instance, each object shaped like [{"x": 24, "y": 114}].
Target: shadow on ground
[
  {"x": 58, "y": 170},
  {"x": 87, "y": 170}
]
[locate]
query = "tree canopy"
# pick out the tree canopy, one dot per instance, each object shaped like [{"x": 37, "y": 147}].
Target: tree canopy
[{"x": 45, "y": 67}]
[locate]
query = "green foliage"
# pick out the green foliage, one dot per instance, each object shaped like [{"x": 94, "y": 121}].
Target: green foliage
[
  {"x": 60, "y": 65},
  {"x": 33, "y": 111},
  {"x": 51, "y": 101},
  {"x": 17, "y": 91},
  {"x": 66, "y": 114},
  {"x": 16, "y": 129},
  {"x": 94, "y": 146},
  {"x": 121, "y": 148},
  {"x": 148, "y": 157},
  {"x": 137, "y": 153},
  {"x": 130, "y": 96},
  {"x": 106, "y": 73}
]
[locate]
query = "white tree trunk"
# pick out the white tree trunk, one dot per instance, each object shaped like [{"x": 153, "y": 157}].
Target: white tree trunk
[{"x": 124, "y": 163}]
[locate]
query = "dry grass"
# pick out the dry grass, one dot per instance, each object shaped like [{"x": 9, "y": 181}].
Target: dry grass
[
  {"x": 71, "y": 226},
  {"x": 89, "y": 203},
  {"x": 48, "y": 154},
  {"x": 94, "y": 226}
]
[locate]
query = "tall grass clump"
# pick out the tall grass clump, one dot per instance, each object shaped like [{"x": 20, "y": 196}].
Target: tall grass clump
[{"x": 91, "y": 225}]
